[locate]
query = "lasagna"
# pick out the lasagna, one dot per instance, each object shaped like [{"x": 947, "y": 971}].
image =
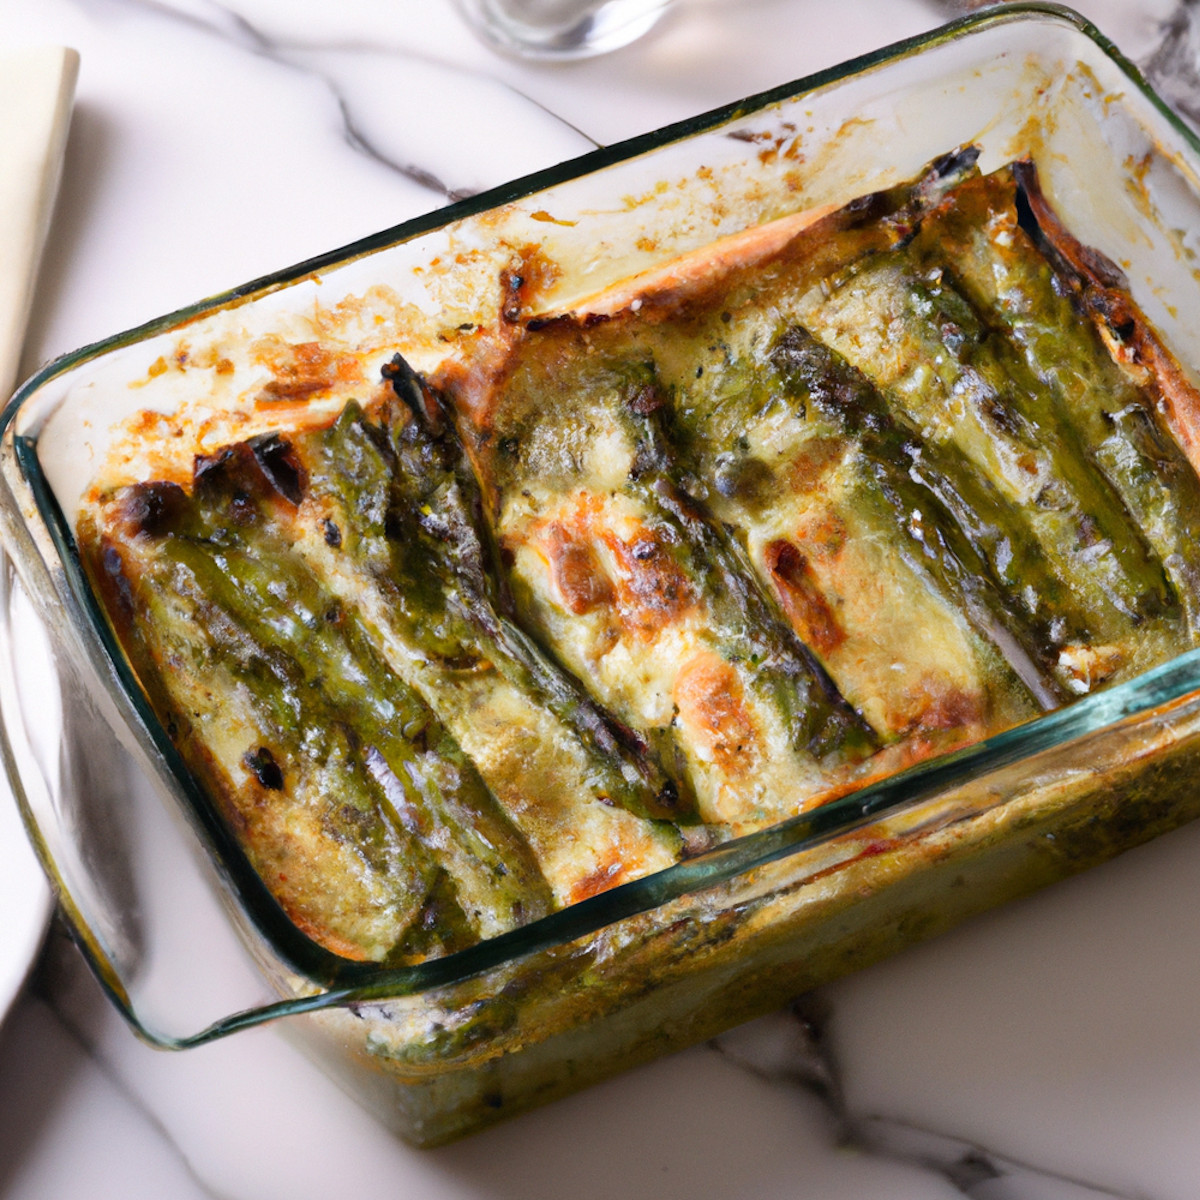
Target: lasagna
[{"x": 611, "y": 586}]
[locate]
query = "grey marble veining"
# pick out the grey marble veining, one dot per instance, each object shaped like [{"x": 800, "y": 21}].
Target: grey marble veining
[
  {"x": 447, "y": 128},
  {"x": 795, "y": 1048},
  {"x": 1173, "y": 66},
  {"x": 65, "y": 1117}
]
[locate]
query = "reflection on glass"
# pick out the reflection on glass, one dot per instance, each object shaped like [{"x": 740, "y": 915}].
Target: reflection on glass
[{"x": 560, "y": 29}]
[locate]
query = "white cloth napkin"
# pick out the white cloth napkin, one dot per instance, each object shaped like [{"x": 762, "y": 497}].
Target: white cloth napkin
[{"x": 36, "y": 90}]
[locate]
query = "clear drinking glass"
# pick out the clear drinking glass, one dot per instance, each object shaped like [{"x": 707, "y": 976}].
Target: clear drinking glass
[{"x": 560, "y": 29}]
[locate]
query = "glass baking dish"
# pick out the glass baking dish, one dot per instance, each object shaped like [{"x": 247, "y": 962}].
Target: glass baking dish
[{"x": 183, "y": 935}]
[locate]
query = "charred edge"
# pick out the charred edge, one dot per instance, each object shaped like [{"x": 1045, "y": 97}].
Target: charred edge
[
  {"x": 416, "y": 393},
  {"x": 1099, "y": 290},
  {"x": 952, "y": 166},
  {"x": 568, "y": 320},
  {"x": 903, "y": 208},
  {"x": 153, "y": 509},
  {"x": 109, "y": 572},
  {"x": 259, "y": 469},
  {"x": 260, "y": 762},
  {"x": 512, "y": 297},
  {"x": 1082, "y": 266},
  {"x": 538, "y": 324},
  {"x": 280, "y": 466},
  {"x": 873, "y": 206}
]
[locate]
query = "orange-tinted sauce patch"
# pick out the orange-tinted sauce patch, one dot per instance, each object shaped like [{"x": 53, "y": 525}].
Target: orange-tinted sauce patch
[
  {"x": 938, "y": 719},
  {"x": 950, "y": 708},
  {"x": 302, "y": 369},
  {"x": 576, "y": 571},
  {"x": 712, "y": 708},
  {"x": 320, "y": 934},
  {"x": 810, "y": 467},
  {"x": 652, "y": 591},
  {"x": 608, "y": 874},
  {"x": 643, "y": 587},
  {"x": 800, "y": 595}
]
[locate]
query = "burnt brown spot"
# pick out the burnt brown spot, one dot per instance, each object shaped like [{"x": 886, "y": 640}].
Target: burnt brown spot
[
  {"x": 800, "y": 594},
  {"x": 302, "y": 370},
  {"x": 209, "y": 469},
  {"x": 117, "y": 589},
  {"x": 536, "y": 324},
  {"x": 647, "y": 399},
  {"x": 652, "y": 590},
  {"x": 241, "y": 475},
  {"x": 950, "y": 708},
  {"x": 260, "y": 762},
  {"x": 577, "y": 572},
  {"x": 152, "y": 508},
  {"x": 280, "y": 466}
]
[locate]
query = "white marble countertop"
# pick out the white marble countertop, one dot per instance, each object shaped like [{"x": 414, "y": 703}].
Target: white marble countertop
[{"x": 1049, "y": 1051}]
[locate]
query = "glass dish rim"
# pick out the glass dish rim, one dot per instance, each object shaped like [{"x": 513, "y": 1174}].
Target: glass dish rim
[{"x": 343, "y": 982}]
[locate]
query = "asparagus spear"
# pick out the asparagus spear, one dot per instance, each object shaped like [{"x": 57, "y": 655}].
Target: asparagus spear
[
  {"x": 918, "y": 339},
  {"x": 749, "y": 627},
  {"x": 437, "y": 507},
  {"x": 638, "y": 590},
  {"x": 242, "y": 555},
  {"x": 1162, "y": 492},
  {"x": 1004, "y": 261},
  {"x": 706, "y": 323},
  {"x": 536, "y": 739},
  {"x": 289, "y": 782},
  {"x": 903, "y": 491}
]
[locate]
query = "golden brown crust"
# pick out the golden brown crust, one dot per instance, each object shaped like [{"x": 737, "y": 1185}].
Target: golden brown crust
[{"x": 1102, "y": 292}]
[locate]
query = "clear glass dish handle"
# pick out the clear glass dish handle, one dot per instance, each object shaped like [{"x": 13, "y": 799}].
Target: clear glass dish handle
[
  {"x": 132, "y": 890},
  {"x": 39, "y": 765},
  {"x": 25, "y": 900}
]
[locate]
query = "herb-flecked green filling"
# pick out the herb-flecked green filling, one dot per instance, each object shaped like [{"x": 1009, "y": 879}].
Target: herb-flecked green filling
[{"x": 497, "y": 639}]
